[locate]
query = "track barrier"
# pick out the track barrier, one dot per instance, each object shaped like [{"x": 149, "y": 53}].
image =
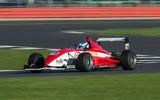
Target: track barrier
[{"x": 79, "y": 12}]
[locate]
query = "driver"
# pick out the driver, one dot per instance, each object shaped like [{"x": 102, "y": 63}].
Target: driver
[{"x": 83, "y": 46}]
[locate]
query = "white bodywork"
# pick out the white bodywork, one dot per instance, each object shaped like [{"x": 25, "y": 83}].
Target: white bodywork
[{"x": 68, "y": 58}]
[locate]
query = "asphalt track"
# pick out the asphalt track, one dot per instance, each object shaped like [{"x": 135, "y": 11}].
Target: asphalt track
[{"x": 53, "y": 34}]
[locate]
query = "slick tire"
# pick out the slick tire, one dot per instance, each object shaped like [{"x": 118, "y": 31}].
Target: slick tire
[
  {"x": 36, "y": 61},
  {"x": 128, "y": 60},
  {"x": 85, "y": 62}
]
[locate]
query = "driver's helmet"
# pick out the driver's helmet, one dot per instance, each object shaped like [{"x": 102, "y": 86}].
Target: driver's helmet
[{"x": 83, "y": 46}]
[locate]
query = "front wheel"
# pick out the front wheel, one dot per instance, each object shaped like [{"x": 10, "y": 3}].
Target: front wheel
[
  {"x": 85, "y": 62},
  {"x": 128, "y": 60},
  {"x": 36, "y": 61}
]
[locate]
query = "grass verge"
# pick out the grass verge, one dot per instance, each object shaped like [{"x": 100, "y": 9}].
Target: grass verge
[
  {"x": 133, "y": 31},
  {"x": 15, "y": 59},
  {"x": 101, "y": 87}
]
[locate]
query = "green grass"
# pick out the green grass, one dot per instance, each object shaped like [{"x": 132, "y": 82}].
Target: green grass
[
  {"x": 100, "y": 87},
  {"x": 15, "y": 59},
  {"x": 133, "y": 31}
]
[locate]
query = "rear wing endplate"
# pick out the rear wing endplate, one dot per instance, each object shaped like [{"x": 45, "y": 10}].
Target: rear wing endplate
[{"x": 123, "y": 39}]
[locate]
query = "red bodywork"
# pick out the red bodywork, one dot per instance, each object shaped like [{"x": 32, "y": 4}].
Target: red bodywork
[{"x": 94, "y": 47}]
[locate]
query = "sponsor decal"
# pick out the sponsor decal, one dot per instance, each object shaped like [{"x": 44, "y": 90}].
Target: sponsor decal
[
  {"x": 59, "y": 60},
  {"x": 94, "y": 54},
  {"x": 76, "y": 54}
]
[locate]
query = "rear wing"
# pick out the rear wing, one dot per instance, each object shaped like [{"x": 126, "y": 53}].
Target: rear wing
[{"x": 123, "y": 39}]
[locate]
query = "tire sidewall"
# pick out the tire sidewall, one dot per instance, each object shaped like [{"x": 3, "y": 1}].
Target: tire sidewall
[
  {"x": 36, "y": 59},
  {"x": 85, "y": 62},
  {"x": 128, "y": 60},
  {"x": 88, "y": 62}
]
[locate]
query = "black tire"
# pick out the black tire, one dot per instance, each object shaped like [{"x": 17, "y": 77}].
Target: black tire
[
  {"x": 128, "y": 60},
  {"x": 36, "y": 60},
  {"x": 85, "y": 62}
]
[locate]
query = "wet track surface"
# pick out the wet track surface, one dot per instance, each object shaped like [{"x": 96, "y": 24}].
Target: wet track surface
[{"x": 50, "y": 34}]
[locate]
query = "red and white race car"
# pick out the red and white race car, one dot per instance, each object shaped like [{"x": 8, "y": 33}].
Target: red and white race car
[{"x": 86, "y": 59}]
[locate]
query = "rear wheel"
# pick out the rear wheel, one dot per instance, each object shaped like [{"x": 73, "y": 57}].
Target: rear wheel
[
  {"x": 36, "y": 61},
  {"x": 128, "y": 60},
  {"x": 85, "y": 62}
]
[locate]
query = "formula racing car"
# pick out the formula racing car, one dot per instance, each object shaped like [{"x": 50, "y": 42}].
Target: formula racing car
[{"x": 85, "y": 57}]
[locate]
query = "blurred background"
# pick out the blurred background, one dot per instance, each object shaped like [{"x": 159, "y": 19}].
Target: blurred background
[{"x": 77, "y": 3}]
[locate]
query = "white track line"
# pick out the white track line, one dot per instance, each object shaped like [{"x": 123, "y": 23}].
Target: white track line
[
  {"x": 30, "y": 48},
  {"x": 72, "y": 32},
  {"x": 149, "y": 60},
  {"x": 142, "y": 55},
  {"x": 8, "y": 46},
  {"x": 25, "y": 48},
  {"x": 153, "y": 57},
  {"x": 11, "y": 70}
]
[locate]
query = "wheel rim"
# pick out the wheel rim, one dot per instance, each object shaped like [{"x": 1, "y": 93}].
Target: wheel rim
[
  {"x": 89, "y": 62},
  {"x": 133, "y": 61}
]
